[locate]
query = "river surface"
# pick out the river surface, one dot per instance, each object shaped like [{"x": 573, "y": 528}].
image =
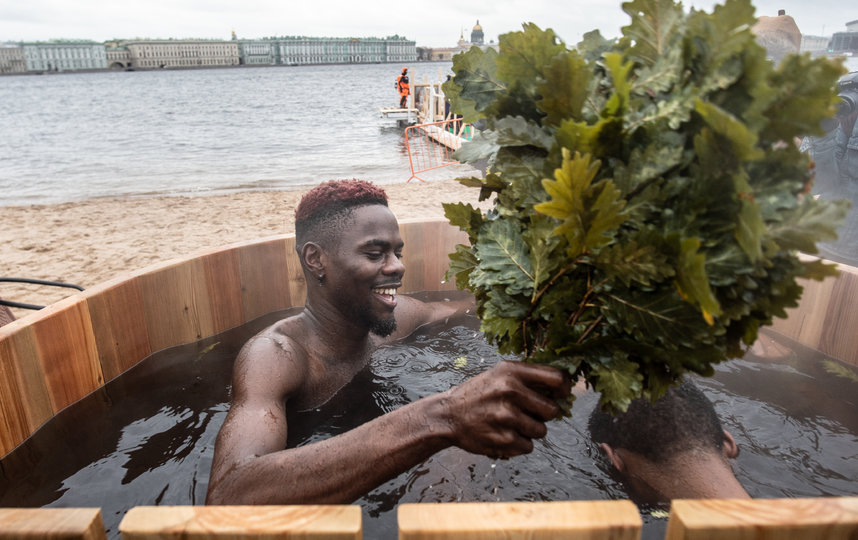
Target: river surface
[{"x": 76, "y": 136}]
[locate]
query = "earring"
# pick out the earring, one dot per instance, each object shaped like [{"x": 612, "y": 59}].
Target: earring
[{"x": 321, "y": 278}]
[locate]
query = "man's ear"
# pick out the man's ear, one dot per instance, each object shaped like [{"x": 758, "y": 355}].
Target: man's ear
[
  {"x": 312, "y": 255},
  {"x": 729, "y": 446},
  {"x": 615, "y": 458}
]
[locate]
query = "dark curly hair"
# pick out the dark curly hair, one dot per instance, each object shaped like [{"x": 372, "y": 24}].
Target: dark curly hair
[
  {"x": 683, "y": 419},
  {"x": 325, "y": 209}
]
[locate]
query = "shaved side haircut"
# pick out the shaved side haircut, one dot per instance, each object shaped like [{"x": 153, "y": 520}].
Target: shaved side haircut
[{"x": 326, "y": 209}]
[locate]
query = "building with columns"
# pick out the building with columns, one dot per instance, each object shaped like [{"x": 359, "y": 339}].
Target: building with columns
[
  {"x": 181, "y": 53},
  {"x": 12, "y": 58},
  {"x": 64, "y": 56}
]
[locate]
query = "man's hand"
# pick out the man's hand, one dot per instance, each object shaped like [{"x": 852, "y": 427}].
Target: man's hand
[{"x": 498, "y": 413}]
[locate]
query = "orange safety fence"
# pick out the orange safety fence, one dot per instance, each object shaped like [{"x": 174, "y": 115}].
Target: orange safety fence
[{"x": 431, "y": 146}]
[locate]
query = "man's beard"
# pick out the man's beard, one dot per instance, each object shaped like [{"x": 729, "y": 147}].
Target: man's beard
[
  {"x": 382, "y": 328},
  {"x": 379, "y": 327}
]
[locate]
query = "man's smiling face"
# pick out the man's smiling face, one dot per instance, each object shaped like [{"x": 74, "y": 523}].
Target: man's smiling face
[{"x": 366, "y": 269}]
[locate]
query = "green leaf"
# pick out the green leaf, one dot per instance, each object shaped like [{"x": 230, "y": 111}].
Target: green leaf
[
  {"x": 691, "y": 278},
  {"x": 618, "y": 382},
  {"x": 462, "y": 263},
  {"x": 742, "y": 140},
  {"x": 657, "y": 317},
  {"x": 632, "y": 262},
  {"x": 750, "y": 229},
  {"x": 524, "y": 54},
  {"x": 477, "y": 83},
  {"x": 566, "y": 81},
  {"x": 619, "y": 71},
  {"x": 655, "y": 25},
  {"x": 803, "y": 87},
  {"x": 501, "y": 319},
  {"x": 593, "y": 46},
  {"x": 811, "y": 221},
  {"x": 543, "y": 245},
  {"x": 483, "y": 145},
  {"x": 585, "y": 226},
  {"x": 840, "y": 370},
  {"x": 504, "y": 259},
  {"x": 517, "y": 131},
  {"x": 464, "y": 216}
]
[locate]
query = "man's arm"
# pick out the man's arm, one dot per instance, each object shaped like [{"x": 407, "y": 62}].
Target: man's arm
[
  {"x": 412, "y": 313},
  {"x": 497, "y": 413}
]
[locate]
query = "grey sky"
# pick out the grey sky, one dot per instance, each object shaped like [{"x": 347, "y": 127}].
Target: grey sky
[{"x": 432, "y": 24}]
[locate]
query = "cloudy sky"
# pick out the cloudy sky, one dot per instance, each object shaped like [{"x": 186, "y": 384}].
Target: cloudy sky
[{"x": 432, "y": 24}]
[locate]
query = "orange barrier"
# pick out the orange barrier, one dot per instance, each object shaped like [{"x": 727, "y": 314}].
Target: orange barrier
[{"x": 431, "y": 146}]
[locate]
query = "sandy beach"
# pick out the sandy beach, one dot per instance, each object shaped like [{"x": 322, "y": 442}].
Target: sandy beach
[{"x": 89, "y": 242}]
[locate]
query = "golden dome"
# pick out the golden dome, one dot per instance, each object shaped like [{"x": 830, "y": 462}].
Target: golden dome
[{"x": 477, "y": 26}]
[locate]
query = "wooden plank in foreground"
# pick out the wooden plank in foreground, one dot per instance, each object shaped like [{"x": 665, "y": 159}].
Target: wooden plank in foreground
[
  {"x": 53, "y": 523},
  {"x": 304, "y": 522},
  {"x": 591, "y": 520},
  {"x": 831, "y": 518}
]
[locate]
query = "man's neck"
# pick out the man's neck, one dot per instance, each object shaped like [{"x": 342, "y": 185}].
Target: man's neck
[
  {"x": 329, "y": 323},
  {"x": 692, "y": 475}
]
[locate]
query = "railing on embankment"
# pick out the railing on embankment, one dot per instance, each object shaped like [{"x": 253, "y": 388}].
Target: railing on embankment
[{"x": 54, "y": 357}]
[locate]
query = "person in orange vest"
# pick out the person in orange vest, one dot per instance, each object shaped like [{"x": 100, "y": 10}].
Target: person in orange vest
[{"x": 402, "y": 86}]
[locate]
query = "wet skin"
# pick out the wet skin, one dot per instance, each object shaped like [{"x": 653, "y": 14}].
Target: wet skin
[{"x": 305, "y": 359}]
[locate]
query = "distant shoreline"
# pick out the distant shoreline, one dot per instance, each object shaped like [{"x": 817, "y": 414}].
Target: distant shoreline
[{"x": 201, "y": 68}]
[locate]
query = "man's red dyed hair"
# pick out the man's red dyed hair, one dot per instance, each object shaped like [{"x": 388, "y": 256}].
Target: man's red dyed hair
[
  {"x": 323, "y": 208},
  {"x": 339, "y": 194}
]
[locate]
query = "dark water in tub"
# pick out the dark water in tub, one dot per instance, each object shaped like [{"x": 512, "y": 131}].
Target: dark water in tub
[{"x": 147, "y": 438}]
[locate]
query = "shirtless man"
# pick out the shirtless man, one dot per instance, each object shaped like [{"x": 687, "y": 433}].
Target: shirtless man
[{"x": 349, "y": 245}]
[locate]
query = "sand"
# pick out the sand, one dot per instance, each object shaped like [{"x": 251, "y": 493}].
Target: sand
[{"x": 89, "y": 242}]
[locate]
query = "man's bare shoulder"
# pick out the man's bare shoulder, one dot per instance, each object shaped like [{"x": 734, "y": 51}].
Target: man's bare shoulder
[
  {"x": 412, "y": 313},
  {"x": 273, "y": 362}
]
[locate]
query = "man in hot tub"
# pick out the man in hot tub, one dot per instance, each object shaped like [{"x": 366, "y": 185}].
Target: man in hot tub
[
  {"x": 350, "y": 248},
  {"x": 674, "y": 448}
]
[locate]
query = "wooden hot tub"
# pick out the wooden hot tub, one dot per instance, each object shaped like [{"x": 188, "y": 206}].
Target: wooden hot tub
[{"x": 56, "y": 356}]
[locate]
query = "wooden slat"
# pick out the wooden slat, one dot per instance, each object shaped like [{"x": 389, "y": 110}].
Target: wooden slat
[
  {"x": 264, "y": 277},
  {"x": 761, "y": 519},
  {"x": 826, "y": 317},
  {"x": 119, "y": 326},
  {"x": 67, "y": 351},
  {"x": 304, "y": 522},
  {"x": 176, "y": 304},
  {"x": 51, "y": 523},
  {"x": 593, "y": 520},
  {"x": 25, "y": 403},
  {"x": 426, "y": 254},
  {"x": 413, "y": 257},
  {"x": 294, "y": 274},
  {"x": 223, "y": 285},
  {"x": 840, "y": 334}
]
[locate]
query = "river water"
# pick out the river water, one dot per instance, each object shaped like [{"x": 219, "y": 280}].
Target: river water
[{"x": 76, "y": 136}]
